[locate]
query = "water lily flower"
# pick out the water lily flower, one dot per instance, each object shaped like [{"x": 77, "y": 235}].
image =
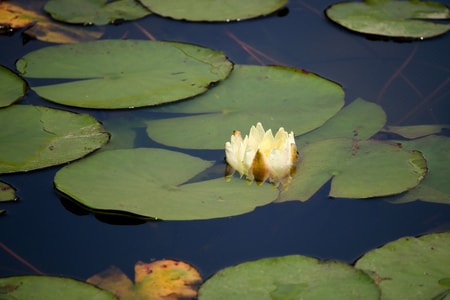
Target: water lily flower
[{"x": 260, "y": 156}]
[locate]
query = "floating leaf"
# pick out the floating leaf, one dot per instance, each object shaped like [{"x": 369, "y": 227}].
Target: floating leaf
[
  {"x": 275, "y": 96},
  {"x": 435, "y": 187},
  {"x": 402, "y": 19},
  {"x": 124, "y": 73},
  {"x": 12, "y": 87},
  {"x": 161, "y": 279},
  {"x": 289, "y": 277},
  {"x": 149, "y": 182},
  {"x": 41, "y": 27},
  {"x": 7, "y": 192},
  {"x": 49, "y": 287},
  {"x": 35, "y": 137},
  {"x": 415, "y": 131},
  {"x": 358, "y": 120},
  {"x": 357, "y": 169},
  {"x": 212, "y": 10},
  {"x": 98, "y": 12},
  {"x": 410, "y": 268}
]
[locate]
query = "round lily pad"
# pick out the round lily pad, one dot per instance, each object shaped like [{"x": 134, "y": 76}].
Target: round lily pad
[
  {"x": 391, "y": 18},
  {"x": 12, "y": 87},
  {"x": 154, "y": 183},
  {"x": 212, "y": 10},
  {"x": 50, "y": 287},
  {"x": 123, "y": 73},
  {"x": 289, "y": 277},
  {"x": 98, "y": 12},
  {"x": 276, "y": 96},
  {"x": 410, "y": 268},
  {"x": 35, "y": 137},
  {"x": 357, "y": 169}
]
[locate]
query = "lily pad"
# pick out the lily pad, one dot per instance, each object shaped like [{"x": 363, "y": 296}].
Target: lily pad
[
  {"x": 12, "y": 87},
  {"x": 153, "y": 183},
  {"x": 7, "y": 192},
  {"x": 123, "y": 73},
  {"x": 410, "y": 268},
  {"x": 49, "y": 287},
  {"x": 415, "y": 131},
  {"x": 35, "y": 137},
  {"x": 435, "y": 187},
  {"x": 161, "y": 279},
  {"x": 275, "y": 96},
  {"x": 98, "y": 12},
  {"x": 213, "y": 10},
  {"x": 357, "y": 169},
  {"x": 289, "y": 277},
  {"x": 391, "y": 18}
]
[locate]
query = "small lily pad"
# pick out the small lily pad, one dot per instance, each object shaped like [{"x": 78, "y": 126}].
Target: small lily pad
[
  {"x": 415, "y": 131},
  {"x": 410, "y": 268},
  {"x": 357, "y": 169},
  {"x": 212, "y": 10},
  {"x": 276, "y": 96},
  {"x": 289, "y": 277},
  {"x": 12, "y": 87},
  {"x": 161, "y": 279},
  {"x": 98, "y": 12},
  {"x": 153, "y": 183},
  {"x": 391, "y": 18},
  {"x": 7, "y": 192},
  {"x": 35, "y": 137},
  {"x": 50, "y": 287},
  {"x": 123, "y": 73}
]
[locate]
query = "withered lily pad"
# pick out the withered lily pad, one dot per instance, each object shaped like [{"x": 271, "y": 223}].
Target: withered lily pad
[
  {"x": 289, "y": 277},
  {"x": 161, "y": 279},
  {"x": 411, "y": 268},
  {"x": 153, "y": 183},
  {"x": 35, "y": 137},
  {"x": 123, "y": 73},
  {"x": 12, "y": 87},
  {"x": 357, "y": 169},
  {"x": 212, "y": 10},
  {"x": 275, "y": 96},
  {"x": 98, "y": 12},
  {"x": 50, "y": 287},
  {"x": 392, "y": 18}
]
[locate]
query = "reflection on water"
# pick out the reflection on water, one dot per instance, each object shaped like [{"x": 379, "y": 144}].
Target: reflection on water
[{"x": 409, "y": 80}]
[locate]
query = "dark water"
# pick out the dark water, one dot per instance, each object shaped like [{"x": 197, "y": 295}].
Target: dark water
[{"x": 410, "y": 80}]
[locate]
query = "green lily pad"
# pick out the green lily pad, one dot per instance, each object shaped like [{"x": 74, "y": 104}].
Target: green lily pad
[
  {"x": 35, "y": 137},
  {"x": 435, "y": 187},
  {"x": 410, "y": 268},
  {"x": 49, "y": 287},
  {"x": 275, "y": 96},
  {"x": 124, "y": 73},
  {"x": 153, "y": 183},
  {"x": 212, "y": 10},
  {"x": 7, "y": 192},
  {"x": 289, "y": 277},
  {"x": 415, "y": 131},
  {"x": 357, "y": 169},
  {"x": 12, "y": 87},
  {"x": 358, "y": 120},
  {"x": 403, "y": 19},
  {"x": 98, "y": 12}
]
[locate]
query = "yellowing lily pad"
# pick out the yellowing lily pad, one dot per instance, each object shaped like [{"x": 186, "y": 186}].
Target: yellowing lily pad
[
  {"x": 161, "y": 279},
  {"x": 7, "y": 192},
  {"x": 12, "y": 87},
  {"x": 275, "y": 96},
  {"x": 357, "y": 169},
  {"x": 35, "y": 137},
  {"x": 213, "y": 10},
  {"x": 153, "y": 183},
  {"x": 98, "y": 12},
  {"x": 123, "y": 73},
  {"x": 289, "y": 277},
  {"x": 410, "y": 268},
  {"x": 392, "y": 18},
  {"x": 50, "y": 287}
]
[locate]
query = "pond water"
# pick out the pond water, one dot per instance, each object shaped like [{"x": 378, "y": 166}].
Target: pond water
[{"x": 409, "y": 80}]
